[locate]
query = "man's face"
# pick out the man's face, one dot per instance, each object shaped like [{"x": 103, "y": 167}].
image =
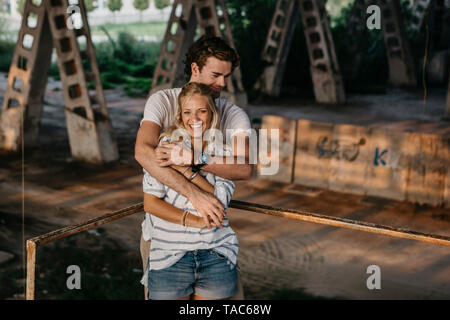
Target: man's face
[{"x": 214, "y": 74}]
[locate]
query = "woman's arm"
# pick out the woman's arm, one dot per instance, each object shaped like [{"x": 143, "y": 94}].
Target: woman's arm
[
  {"x": 170, "y": 213},
  {"x": 199, "y": 181}
]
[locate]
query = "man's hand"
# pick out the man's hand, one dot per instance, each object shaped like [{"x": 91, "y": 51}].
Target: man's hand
[
  {"x": 209, "y": 207},
  {"x": 173, "y": 154}
]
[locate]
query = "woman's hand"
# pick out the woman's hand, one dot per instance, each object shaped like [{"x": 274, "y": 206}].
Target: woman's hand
[
  {"x": 168, "y": 154},
  {"x": 204, "y": 201},
  {"x": 209, "y": 207}
]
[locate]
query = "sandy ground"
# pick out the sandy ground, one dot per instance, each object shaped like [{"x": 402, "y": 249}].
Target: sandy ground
[{"x": 275, "y": 253}]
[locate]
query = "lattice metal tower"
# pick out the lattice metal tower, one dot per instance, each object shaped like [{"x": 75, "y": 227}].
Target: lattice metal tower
[{"x": 46, "y": 25}]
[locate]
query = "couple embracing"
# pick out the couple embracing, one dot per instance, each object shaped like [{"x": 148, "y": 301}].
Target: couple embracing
[{"x": 188, "y": 247}]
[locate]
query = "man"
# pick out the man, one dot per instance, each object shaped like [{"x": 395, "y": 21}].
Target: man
[{"x": 209, "y": 61}]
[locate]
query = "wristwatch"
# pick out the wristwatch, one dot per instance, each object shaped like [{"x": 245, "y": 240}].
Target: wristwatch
[{"x": 203, "y": 159}]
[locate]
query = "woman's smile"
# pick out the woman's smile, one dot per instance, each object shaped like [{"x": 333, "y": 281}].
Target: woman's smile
[{"x": 196, "y": 115}]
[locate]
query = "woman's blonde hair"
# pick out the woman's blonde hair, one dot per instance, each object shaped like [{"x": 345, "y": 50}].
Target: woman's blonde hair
[{"x": 188, "y": 91}]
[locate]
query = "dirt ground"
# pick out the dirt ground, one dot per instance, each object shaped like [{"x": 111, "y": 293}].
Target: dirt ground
[{"x": 278, "y": 258}]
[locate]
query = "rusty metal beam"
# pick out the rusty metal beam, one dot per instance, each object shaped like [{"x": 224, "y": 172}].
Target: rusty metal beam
[
  {"x": 89, "y": 127},
  {"x": 324, "y": 66},
  {"x": 356, "y": 31},
  {"x": 212, "y": 19},
  {"x": 300, "y": 215},
  {"x": 341, "y": 222},
  {"x": 276, "y": 49},
  {"x": 402, "y": 72},
  {"x": 33, "y": 243}
]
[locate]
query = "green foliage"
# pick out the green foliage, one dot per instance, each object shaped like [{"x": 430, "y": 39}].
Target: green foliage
[
  {"x": 90, "y": 5},
  {"x": 54, "y": 70},
  {"x": 20, "y": 6},
  {"x": 151, "y": 28},
  {"x": 138, "y": 87},
  {"x": 141, "y": 5},
  {"x": 135, "y": 52},
  {"x": 114, "y": 76},
  {"x": 250, "y": 21},
  {"x": 6, "y": 54},
  {"x": 2, "y": 22},
  {"x": 373, "y": 71},
  {"x": 161, "y": 4},
  {"x": 114, "y": 5},
  {"x": 127, "y": 62}
]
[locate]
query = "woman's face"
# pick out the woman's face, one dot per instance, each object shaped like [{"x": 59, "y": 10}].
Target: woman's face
[{"x": 196, "y": 115}]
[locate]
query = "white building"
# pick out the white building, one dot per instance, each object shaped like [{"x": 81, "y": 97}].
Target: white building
[
  {"x": 128, "y": 13},
  {"x": 101, "y": 15}
]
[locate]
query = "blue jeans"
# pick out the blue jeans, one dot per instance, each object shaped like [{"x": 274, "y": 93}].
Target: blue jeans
[{"x": 205, "y": 273}]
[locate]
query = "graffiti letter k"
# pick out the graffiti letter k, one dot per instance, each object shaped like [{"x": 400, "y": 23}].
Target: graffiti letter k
[{"x": 378, "y": 157}]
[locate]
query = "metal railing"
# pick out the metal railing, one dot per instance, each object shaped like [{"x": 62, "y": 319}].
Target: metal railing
[{"x": 301, "y": 215}]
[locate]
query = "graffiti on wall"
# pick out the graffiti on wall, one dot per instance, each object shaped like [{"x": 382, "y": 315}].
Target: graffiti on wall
[
  {"x": 346, "y": 150},
  {"x": 378, "y": 159},
  {"x": 338, "y": 149}
]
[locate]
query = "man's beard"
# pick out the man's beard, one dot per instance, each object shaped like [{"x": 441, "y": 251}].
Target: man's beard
[{"x": 216, "y": 94}]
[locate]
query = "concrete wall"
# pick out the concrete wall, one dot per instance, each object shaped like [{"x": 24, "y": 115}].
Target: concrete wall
[
  {"x": 406, "y": 160},
  {"x": 285, "y": 144}
]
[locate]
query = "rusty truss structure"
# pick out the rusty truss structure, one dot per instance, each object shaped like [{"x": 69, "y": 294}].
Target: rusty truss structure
[
  {"x": 47, "y": 25},
  {"x": 211, "y": 17},
  {"x": 325, "y": 73}
]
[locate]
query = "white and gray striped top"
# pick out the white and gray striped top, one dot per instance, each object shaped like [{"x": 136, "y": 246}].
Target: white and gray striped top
[{"x": 170, "y": 241}]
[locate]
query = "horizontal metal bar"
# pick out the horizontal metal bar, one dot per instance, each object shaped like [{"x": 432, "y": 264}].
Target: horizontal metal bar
[
  {"x": 341, "y": 222},
  {"x": 65, "y": 232},
  {"x": 83, "y": 226},
  {"x": 280, "y": 212}
]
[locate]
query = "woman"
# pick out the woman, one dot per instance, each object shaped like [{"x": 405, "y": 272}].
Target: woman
[{"x": 188, "y": 261}]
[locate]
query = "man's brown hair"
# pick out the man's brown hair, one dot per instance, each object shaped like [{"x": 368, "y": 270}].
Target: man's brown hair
[{"x": 209, "y": 46}]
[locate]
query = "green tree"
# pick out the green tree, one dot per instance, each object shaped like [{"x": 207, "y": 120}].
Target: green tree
[
  {"x": 90, "y": 5},
  {"x": 2, "y": 21},
  {"x": 161, "y": 4},
  {"x": 114, "y": 5},
  {"x": 141, "y": 5},
  {"x": 20, "y": 6}
]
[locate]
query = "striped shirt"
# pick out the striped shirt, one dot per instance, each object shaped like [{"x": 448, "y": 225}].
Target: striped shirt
[{"x": 170, "y": 241}]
